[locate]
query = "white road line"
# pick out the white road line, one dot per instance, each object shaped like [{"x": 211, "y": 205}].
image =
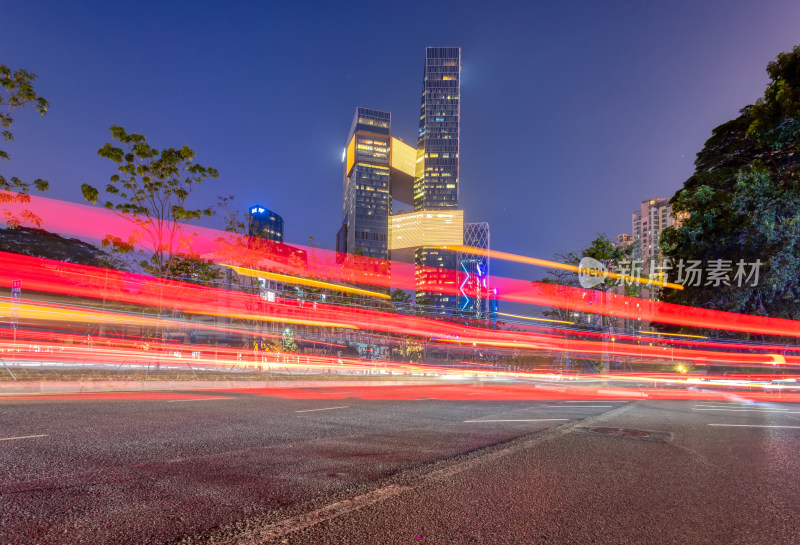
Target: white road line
[
  {"x": 753, "y": 426},
  {"x": 722, "y": 402},
  {"x": 260, "y": 535},
  {"x": 21, "y": 437},
  {"x": 325, "y": 409},
  {"x": 522, "y": 420},
  {"x": 201, "y": 399},
  {"x": 728, "y": 405},
  {"x": 725, "y": 405},
  {"x": 736, "y": 407},
  {"x": 601, "y": 401},
  {"x": 582, "y": 406},
  {"x": 784, "y": 411}
]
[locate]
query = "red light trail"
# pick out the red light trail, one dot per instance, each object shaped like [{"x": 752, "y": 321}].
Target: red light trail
[{"x": 101, "y": 316}]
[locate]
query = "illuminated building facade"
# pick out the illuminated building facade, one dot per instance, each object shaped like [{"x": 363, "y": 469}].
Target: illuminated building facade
[
  {"x": 476, "y": 297},
  {"x": 436, "y": 184},
  {"x": 379, "y": 169},
  {"x": 367, "y": 201},
  {"x": 264, "y": 223},
  {"x": 437, "y": 172},
  {"x": 648, "y": 222},
  {"x": 434, "y": 228}
]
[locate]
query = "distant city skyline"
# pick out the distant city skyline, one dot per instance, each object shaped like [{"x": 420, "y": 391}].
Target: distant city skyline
[{"x": 572, "y": 114}]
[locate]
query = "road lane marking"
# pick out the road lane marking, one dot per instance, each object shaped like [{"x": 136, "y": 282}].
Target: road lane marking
[
  {"x": 747, "y": 406},
  {"x": 202, "y": 399},
  {"x": 582, "y": 406},
  {"x": 275, "y": 530},
  {"x": 601, "y": 401},
  {"x": 784, "y": 411},
  {"x": 21, "y": 437},
  {"x": 723, "y": 402},
  {"x": 521, "y": 420},
  {"x": 753, "y": 426},
  {"x": 325, "y": 409}
]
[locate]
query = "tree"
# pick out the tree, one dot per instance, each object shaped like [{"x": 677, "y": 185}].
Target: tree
[
  {"x": 610, "y": 254},
  {"x": 17, "y": 91},
  {"x": 742, "y": 205},
  {"x": 289, "y": 343},
  {"x": 41, "y": 243},
  {"x": 151, "y": 189},
  {"x": 604, "y": 250},
  {"x": 194, "y": 269},
  {"x": 401, "y": 301}
]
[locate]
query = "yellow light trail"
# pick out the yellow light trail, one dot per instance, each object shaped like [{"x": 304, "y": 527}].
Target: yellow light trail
[
  {"x": 255, "y": 273},
  {"x": 505, "y": 256},
  {"x": 536, "y": 319}
]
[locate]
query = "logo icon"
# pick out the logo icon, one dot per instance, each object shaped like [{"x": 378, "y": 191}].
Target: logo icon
[{"x": 591, "y": 272}]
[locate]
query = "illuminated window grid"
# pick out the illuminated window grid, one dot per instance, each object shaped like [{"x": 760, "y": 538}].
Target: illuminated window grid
[
  {"x": 403, "y": 157},
  {"x": 426, "y": 228}
]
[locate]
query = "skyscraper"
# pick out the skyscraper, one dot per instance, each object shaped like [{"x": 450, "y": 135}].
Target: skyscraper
[
  {"x": 365, "y": 213},
  {"x": 437, "y": 173},
  {"x": 265, "y": 223}
]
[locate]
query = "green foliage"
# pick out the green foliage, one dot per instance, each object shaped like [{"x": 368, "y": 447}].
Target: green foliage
[
  {"x": 17, "y": 91},
  {"x": 400, "y": 300},
  {"x": 607, "y": 252},
  {"x": 187, "y": 268},
  {"x": 151, "y": 189},
  {"x": 604, "y": 250},
  {"x": 41, "y": 243},
  {"x": 289, "y": 344},
  {"x": 399, "y": 296},
  {"x": 743, "y": 202}
]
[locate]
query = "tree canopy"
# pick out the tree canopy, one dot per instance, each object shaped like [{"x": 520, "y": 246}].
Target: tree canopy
[
  {"x": 611, "y": 254},
  {"x": 41, "y": 243},
  {"x": 742, "y": 204},
  {"x": 151, "y": 189},
  {"x": 17, "y": 91}
]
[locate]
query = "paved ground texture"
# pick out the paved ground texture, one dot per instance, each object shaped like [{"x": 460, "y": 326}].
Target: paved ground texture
[{"x": 372, "y": 465}]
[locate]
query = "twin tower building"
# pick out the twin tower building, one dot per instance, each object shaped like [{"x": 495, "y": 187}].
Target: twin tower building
[{"x": 401, "y": 202}]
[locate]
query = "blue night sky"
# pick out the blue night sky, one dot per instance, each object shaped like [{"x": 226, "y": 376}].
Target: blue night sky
[{"x": 572, "y": 114}]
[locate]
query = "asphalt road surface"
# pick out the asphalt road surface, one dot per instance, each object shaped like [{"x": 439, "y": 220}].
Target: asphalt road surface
[{"x": 412, "y": 464}]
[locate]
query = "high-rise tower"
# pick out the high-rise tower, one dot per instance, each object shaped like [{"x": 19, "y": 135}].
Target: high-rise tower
[
  {"x": 437, "y": 173},
  {"x": 436, "y": 183},
  {"x": 365, "y": 214}
]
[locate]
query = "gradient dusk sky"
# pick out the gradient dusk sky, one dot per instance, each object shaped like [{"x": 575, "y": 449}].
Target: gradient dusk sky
[{"x": 572, "y": 112}]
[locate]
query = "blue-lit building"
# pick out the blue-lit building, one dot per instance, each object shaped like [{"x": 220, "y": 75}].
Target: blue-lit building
[
  {"x": 476, "y": 297},
  {"x": 264, "y": 223},
  {"x": 437, "y": 170}
]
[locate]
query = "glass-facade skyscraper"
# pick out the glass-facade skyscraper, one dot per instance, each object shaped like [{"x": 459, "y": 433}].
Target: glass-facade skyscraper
[
  {"x": 264, "y": 223},
  {"x": 367, "y": 202},
  {"x": 437, "y": 173}
]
